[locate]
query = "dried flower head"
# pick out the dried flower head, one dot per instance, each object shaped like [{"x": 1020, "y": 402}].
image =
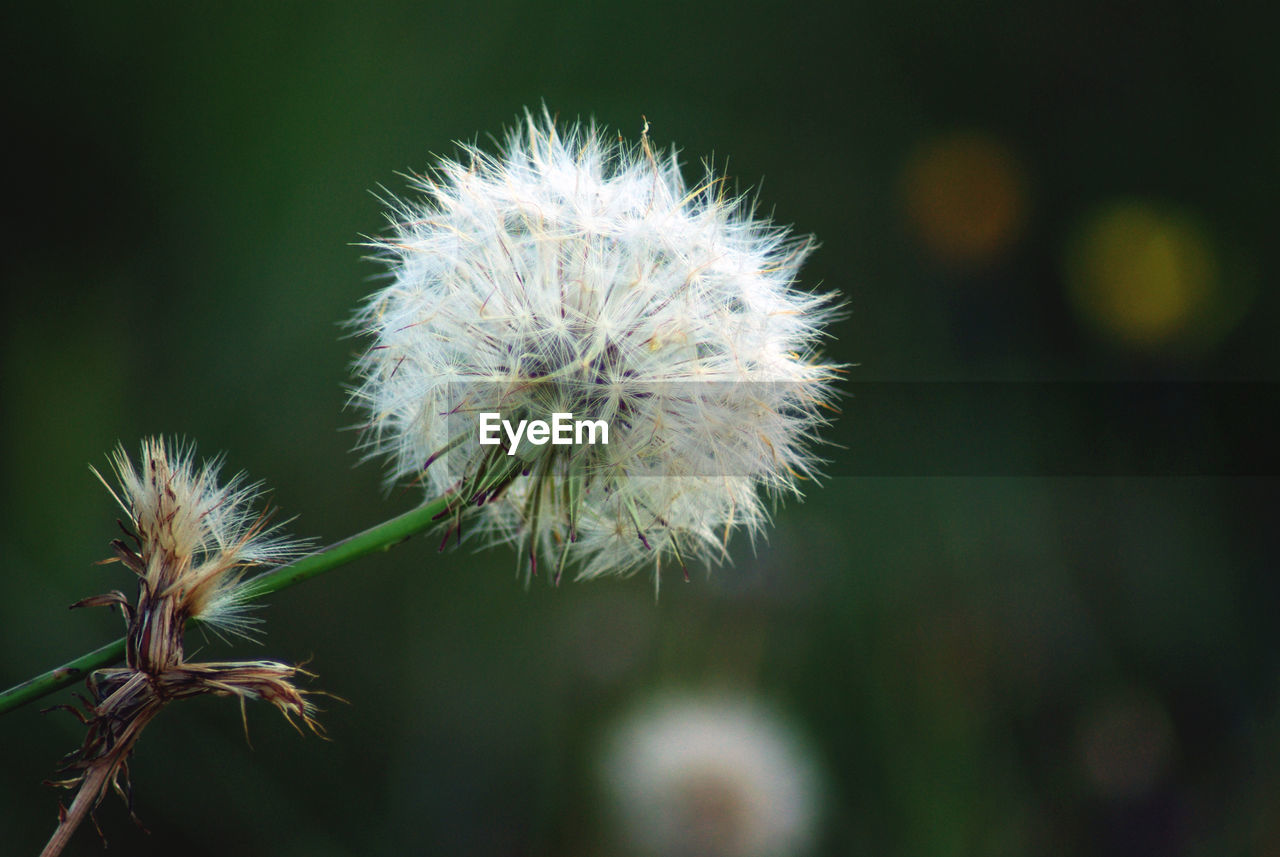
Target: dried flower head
[
  {"x": 712, "y": 776},
  {"x": 189, "y": 541},
  {"x": 573, "y": 274},
  {"x": 194, "y": 538}
]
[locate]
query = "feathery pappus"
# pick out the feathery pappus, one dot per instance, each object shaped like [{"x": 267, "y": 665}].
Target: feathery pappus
[{"x": 575, "y": 274}]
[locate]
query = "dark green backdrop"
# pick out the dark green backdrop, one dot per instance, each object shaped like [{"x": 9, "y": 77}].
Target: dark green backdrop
[{"x": 1073, "y": 660}]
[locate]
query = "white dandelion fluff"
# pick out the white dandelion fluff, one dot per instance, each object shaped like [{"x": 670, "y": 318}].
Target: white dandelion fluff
[
  {"x": 573, "y": 274},
  {"x": 713, "y": 777}
]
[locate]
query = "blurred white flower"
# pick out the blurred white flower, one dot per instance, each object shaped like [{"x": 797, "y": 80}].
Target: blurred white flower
[
  {"x": 714, "y": 777},
  {"x": 575, "y": 274}
]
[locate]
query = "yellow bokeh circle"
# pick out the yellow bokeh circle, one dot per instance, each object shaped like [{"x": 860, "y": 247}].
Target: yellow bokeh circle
[{"x": 1145, "y": 275}]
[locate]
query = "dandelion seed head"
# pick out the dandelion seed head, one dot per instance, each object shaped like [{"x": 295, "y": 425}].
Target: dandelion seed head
[
  {"x": 712, "y": 776},
  {"x": 574, "y": 273}
]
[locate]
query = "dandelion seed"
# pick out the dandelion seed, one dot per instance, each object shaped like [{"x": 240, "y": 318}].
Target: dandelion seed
[{"x": 575, "y": 274}]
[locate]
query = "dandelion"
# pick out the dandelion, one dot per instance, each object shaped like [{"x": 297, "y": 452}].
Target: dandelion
[
  {"x": 715, "y": 777},
  {"x": 189, "y": 541},
  {"x": 575, "y": 275}
]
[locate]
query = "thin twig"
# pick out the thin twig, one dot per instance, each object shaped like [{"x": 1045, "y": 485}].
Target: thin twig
[{"x": 90, "y": 792}]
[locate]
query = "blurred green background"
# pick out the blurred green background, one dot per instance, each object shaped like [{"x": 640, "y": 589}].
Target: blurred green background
[{"x": 1059, "y": 663}]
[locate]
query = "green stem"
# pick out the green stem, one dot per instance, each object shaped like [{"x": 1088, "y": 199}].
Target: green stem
[{"x": 381, "y": 537}]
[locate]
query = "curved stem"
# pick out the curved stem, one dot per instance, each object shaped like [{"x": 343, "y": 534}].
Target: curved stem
[{"x": 381, "y": 537}]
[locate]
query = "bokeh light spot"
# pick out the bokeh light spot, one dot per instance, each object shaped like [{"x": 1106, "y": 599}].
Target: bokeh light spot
[
  {"x": 1145, "y": 276},
  {"x": 1126, "y": 745},
  {"x": 965, "y": 197}
]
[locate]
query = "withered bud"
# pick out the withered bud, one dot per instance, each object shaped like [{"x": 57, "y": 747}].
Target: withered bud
[{"x": 190, "y": 542}]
